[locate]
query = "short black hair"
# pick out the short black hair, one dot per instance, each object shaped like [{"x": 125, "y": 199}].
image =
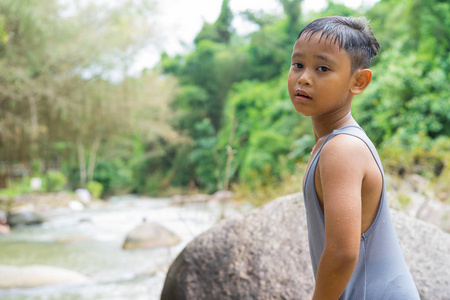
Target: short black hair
[{"x": 352, "y": 34}]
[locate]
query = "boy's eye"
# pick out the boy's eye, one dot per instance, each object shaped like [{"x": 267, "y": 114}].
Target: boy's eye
[
  {"x": 297, "y": 65},
  {"x": 323, "y": 69}
]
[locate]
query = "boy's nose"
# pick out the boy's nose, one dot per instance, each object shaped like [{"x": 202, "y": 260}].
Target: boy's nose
[{"x": 304, "y": 78}]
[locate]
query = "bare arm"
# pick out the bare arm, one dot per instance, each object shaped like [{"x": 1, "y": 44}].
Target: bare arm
[{"x": 341, "y": 172}]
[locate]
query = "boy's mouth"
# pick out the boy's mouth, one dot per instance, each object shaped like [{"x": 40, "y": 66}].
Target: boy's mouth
[{"x": 301, "y": 95}]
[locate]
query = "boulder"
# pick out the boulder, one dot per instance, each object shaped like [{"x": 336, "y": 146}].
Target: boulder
[
  {"x": 261, "y": 255},
  {"x": 264, "y": 254},
  {"x": 76, "y": 205},
  {"x": 415, "y": 196},
  {"x": 37, "y": 275},
  {"x": 24, "y": 218},
  {"x": 427, "y": 252},
  {"x": 84, "y": 195},
  {"x": 150, "y": 235}
]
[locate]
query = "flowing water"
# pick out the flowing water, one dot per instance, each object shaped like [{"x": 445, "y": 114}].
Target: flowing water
[{"x": 90, "y": 242}]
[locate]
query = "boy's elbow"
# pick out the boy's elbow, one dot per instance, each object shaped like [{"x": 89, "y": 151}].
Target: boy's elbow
[
  {"x": 344, "y": 258},
  {"x": 348, "y": 257}
]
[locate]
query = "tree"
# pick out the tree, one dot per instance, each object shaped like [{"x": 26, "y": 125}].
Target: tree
[
  {"x": 406, "y": 106},
  {"x": 220, "y": 31},
  {"x": 58, "y": 101},
  {"x": 268, "y": 127},
  {"x": 293, "y": 11}
]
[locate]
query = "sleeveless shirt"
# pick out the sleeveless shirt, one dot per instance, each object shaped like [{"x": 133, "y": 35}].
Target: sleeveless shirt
[{"x": 381, "y": 272}]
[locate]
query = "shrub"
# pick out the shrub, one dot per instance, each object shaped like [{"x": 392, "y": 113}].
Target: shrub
[
  {"x": 95, "y": 188},
  {"x": 13, "y": 190},
  {"x": 115, "y": 176},
  {"x": 56, "y": 181}
]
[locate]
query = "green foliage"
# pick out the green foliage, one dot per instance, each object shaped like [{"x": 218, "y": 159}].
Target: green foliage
[
  {"x": 55, "y": 181},
  {"x": 407, "y": 94},
  {"x": 403, "y": 200},
  {"x": 404, "y": 110},
  {"x": 115, "y": 176},
  {"x": 420, "y": 26},
  {"x": 406, "y": 107},
  {"x": 151, "y": 133},
  {"x": 36, "y": 167},
  {"x": 335, "y": 9},
  {"x": 220, "y": 31},
  {"x": 292, "y": 10},
  {"x": 268, "y": 53},
  {"x": 261, "y": 192},
  {"x": 414, "y": 153},
  {"x": 60, "y": 104},
  {"x": 266, "y": 131},
  {"x": 153, "y": 185},
  {"x": 301, "y": 148},
  {"x": 440, "y": 183},
  {"x": 206, "y": 76},
  {"x": 14, "y": 189},
  {"x": 95, "y": 188},
  {"x": 204, "y": 156},
  {"x": 183, "y": 170},
  {"x": 190, "y": 108},
  {"x": 3, "y": 33}
]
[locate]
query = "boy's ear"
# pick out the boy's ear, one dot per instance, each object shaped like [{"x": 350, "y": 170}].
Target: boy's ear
[{"x": 362, "y": 80}]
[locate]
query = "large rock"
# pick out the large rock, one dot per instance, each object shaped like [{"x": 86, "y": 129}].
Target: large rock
[
  {"x": 427, "y": 252},
  {"x": 37, "y": 275},
  {"x": 150, "y": 235},
  {"x": 415, "y": 196},
  {"x": 261, "y": 255},
  {"x": 265, "y": 255},
  {"x": 25, "y": 218}
]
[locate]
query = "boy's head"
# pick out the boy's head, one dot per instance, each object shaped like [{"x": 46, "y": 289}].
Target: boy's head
[
  {"x": 329, "y": 65},
  {"x": 353, "y": 35}
]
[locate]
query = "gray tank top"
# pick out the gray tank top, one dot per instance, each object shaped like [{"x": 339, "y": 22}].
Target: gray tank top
[{"x": 381, "y": 272}]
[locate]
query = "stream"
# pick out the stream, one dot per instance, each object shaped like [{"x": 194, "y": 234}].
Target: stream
[{"x": 90, "y": 242}]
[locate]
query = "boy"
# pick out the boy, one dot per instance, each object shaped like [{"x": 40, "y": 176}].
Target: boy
[{"x": 354, "y": 250}]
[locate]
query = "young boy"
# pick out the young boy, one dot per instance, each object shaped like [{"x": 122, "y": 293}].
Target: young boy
[{"x": 354, "y": 250}]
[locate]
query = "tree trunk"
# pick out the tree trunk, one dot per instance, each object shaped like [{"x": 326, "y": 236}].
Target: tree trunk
[
  {"x": 92, "y": 157},
  {"x": 81, "y": 163},
  {"x": 230, "y": 156},
  {"x": 34, "y": 127}
]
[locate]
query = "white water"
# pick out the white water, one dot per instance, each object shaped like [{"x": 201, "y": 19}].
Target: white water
[{"x": 96, "y": 250}]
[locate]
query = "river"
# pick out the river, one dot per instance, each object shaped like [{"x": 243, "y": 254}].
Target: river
[{"x": 90, "y": 242}]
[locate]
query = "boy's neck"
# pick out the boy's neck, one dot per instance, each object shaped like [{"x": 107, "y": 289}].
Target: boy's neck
[{"x": 324, "y": 126}]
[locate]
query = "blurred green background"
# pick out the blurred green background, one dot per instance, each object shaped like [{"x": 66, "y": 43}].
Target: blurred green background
[{"x": 215, "y": 117}]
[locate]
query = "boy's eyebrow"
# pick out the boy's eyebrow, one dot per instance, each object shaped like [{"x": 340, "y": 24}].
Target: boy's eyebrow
[
  {"x": 296, "y": 54},
  {"x": 321, "y": 57},
  {"x": 326, "y": 58}
]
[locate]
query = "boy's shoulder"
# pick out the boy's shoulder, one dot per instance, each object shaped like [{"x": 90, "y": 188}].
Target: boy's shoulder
[{"x": 345, "y": 151}]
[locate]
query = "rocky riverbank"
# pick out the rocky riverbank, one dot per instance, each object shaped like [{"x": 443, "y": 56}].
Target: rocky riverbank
[{"x": 412, "y": 194}]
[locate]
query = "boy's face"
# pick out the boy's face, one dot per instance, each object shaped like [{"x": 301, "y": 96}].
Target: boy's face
[{"x": 319, "y": 79}]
